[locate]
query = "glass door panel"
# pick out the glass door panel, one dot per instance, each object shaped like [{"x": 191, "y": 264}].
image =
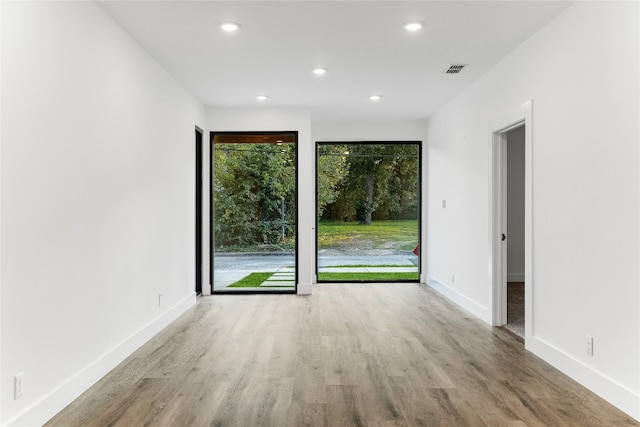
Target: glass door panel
[
  {"x": 254, "y": 215},
  {"x": 368, "y": 207}
]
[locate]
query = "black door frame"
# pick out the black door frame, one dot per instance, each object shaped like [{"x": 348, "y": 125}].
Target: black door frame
[
  {"x": 198, "y": 213},
  {"x": 211, "y": 208},
  {"x": 419, "y": 144}
]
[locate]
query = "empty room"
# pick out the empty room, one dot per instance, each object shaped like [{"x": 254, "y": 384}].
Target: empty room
[{"x": 322, "y": 213}]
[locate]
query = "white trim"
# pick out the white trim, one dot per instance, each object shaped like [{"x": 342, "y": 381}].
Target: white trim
[
  {"x": 617, "y": 394},
  {"x": 304, "y": 288},
  {"x": 522, "y": 115},
  {"x": 467, "y": 303},
  {"x": 52, "y": 403},
  {"x": 498, "y": 225}
]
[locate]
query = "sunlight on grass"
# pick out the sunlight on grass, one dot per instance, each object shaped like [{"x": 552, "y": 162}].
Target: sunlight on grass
[
  {"x": 399, "y": 235},
  {"x": 253, "y": 280}
]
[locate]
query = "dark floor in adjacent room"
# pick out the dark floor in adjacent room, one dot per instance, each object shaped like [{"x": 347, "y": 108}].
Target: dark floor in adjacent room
[
  {"x": 349, "y": 355},
  {"x": 515, "y": 308}
]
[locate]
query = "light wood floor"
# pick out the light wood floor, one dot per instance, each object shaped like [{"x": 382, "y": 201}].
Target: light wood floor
[{"x": 350, "y": 355}]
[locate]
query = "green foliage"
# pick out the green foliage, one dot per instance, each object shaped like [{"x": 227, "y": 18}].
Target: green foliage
[
  {"x": 254, "y": 189},
  {"x": 254, "y": 195},
  {"x": 332, "y": 173},
  {"x": 381, "y": 182}
]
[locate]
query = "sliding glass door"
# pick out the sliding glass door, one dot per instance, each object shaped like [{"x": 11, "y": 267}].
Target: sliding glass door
[{"x": 254, "y": 212}]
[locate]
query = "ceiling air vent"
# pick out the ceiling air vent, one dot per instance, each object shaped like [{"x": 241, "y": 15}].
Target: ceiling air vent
[{"x": 454, "y": 68}]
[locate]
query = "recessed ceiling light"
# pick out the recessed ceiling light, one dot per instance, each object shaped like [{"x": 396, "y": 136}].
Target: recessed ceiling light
[
  {"x": 375, "y": 97},
  {"x": 262, "y": 97},
  {"x": 229, "y": 26},
  {"x": 319, "y": 71},
  {"x": 413, "y": 26}
]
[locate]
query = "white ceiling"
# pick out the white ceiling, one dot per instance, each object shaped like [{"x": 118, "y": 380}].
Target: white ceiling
[{"x": 362, "y": 43}]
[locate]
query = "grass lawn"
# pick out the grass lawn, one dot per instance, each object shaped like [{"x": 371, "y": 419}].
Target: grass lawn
[
  {"x": 253, "y": 280},
  {"x": 369, "y": 265},
  {"x": 373, "y": 277},
  {"x": 399, "y": 235}
]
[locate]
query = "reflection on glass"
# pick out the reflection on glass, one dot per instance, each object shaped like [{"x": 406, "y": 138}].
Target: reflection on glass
[
  {"x": 254, "y": 218},
  {"x": 368, "y": 206}
]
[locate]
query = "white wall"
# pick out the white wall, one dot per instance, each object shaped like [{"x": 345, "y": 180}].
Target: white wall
[
  {"x": 581, "y": 71},
  {"x": 282, "y": 119},
  {"x": 97, "y": 201},
  {"x": 515, "y": 204},
  {"x": 379, "y": 130}
]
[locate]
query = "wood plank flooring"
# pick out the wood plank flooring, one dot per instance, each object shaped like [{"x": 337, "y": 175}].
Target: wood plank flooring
[{"x": 349, "y": 355}]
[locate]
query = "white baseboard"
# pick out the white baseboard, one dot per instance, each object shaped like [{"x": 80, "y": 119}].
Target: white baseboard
[
  {"x": 515, "y": 277},
  {"x": 618, "y": 395},
  {"x": 52, "y": 403},
  {"x": 464, "y": 302},
  {"x": 304, "y": 288}
]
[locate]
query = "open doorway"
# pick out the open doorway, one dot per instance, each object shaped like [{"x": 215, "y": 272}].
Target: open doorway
[
  {"x": 511, "y": 233},
  {"x": 515, "y": 176}
]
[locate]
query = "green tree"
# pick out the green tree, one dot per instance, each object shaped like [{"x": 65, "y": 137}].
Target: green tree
[
  {"x": 254, "y": 194},
  {"x": 382, "y": 183},
  {"x": 332, "y": 172},
  {"x": 402, "y": 199}
]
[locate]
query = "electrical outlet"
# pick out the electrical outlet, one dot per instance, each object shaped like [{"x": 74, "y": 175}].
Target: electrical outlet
[
  {"x": 444, "y": 204},
  {"x": 589, "y": 345},
  {"x": 17, "y": 386},
  {"x": 159, "y": 300},
  {"x": 453, "y": 278}
]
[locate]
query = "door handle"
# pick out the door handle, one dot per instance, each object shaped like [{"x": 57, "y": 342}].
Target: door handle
[{"x": 503, "y": 237}]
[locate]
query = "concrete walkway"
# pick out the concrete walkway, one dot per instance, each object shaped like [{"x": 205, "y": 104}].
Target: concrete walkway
[
  {"x": 398, "y": 258},
  {"x": 398, "y": 269},
  {"x": 229, "y": 268}
]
